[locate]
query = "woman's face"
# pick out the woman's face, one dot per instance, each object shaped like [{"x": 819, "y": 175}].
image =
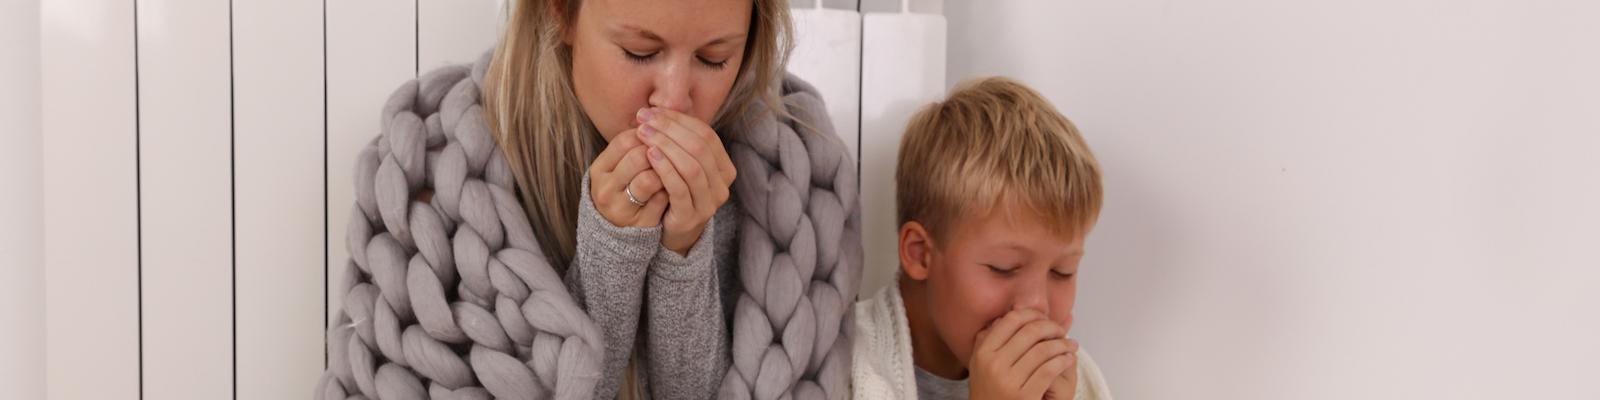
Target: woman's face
[{"x": 682, "y": 55}]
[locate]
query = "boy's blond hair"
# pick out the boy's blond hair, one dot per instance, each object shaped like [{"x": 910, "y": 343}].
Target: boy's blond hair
[{"x": 995, "y": 143}]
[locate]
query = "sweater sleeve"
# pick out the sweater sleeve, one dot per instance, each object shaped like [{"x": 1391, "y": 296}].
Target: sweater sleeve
[
  {"x": 607, "y": 278},
  {"x": 687, "y": 347}
]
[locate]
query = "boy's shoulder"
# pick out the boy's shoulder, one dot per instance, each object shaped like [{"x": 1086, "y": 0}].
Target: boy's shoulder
[
  {"x": 882, "y": 366},
  {"x": 1091, "y": 383}
]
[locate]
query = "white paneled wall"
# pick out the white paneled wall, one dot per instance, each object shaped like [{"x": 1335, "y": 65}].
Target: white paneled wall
[
  {"x": 185, "y": 198},
  {"x": 22, "y": 208},
  {"x": 827, "y": 54},
  {"x": 902, "y": 66},
  {"x": 279, "y": 196},
  {"x": 197, "y": 176},
  {"x": 91, "y": 231}
]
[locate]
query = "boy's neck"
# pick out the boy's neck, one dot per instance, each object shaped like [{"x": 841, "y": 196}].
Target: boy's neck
[{"x": 928, "y": 351}]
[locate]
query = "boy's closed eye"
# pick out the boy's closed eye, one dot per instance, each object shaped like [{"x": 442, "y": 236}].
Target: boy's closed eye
[
  {"x": 1062, "y": 275},
  {"x": 1002, "y": 269}
]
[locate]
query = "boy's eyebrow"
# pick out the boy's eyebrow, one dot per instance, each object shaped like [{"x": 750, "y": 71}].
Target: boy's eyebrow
[{"x": 1018, "y": 247}]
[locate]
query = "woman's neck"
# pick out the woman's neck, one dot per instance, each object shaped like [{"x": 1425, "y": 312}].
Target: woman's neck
[{"x": 928, "y": 350}]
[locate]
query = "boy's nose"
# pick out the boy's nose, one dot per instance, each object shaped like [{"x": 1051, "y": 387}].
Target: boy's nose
[
  {"x": 672, "y": 87},
  {"x": 1032, "y": 294}
]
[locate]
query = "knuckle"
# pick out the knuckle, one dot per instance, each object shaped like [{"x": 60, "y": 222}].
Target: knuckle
[
  {"x": 1034, "y": 329},
  {"x": 690, "y": 171},
  {"x": 1058, "y": 365}
]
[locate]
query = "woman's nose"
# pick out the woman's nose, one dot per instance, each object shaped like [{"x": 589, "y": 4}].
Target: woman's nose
[{"x": 673, "y": 87}]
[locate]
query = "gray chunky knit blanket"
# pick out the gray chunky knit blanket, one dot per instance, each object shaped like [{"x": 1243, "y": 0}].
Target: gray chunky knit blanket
[{"x": 451, "y": 298}]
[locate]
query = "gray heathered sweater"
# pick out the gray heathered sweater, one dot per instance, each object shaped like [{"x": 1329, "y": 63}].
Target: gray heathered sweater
[{"x": 687, "y": 301}]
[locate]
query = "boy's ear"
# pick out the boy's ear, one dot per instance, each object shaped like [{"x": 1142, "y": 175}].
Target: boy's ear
[{"x": 915, "y": 249}]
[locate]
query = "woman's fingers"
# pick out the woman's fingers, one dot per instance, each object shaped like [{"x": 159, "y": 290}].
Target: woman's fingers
[
  {"x": 661, "y": 130},
  {"x": 628, "y": 168},
  {"x": 614, "y": 151},
  {"x": 687, "y": 167},
  {"x": 682, "y": 125},
  {"x": 654, "y": 208},
  {"x": 644, "y": 185},
  {"x": 671, "y": 180}
]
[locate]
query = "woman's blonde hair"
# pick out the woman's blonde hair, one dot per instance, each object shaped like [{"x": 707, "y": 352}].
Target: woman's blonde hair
[
  {"x": 548, "y": 140},
  {"x": 995, "y": 143}
]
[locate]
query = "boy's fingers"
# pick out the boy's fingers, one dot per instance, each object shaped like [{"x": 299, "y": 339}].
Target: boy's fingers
[
  {"x": 1065, "y": 386},
  {"x": 1031, "y": 333},
  {"x": 1040, "y": 353},
  {"x": 1040, "y": 379},
  {"x": 1002, "y": 329},
  {"x": 978, "y": 352}
]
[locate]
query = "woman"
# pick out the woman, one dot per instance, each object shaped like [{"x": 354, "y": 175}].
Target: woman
[{"x": 619, "y": 127}]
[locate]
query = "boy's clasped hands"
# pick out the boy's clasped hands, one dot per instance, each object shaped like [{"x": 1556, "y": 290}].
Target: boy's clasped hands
[{"x": 1023, "y": 355}]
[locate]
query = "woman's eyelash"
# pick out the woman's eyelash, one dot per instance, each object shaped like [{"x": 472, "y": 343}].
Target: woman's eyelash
[
  {"x": 1060, "y": 275},
  {"x": 645, "y": 58},
  {"x": 639, "y": 58},
  {"x": 714, "y": 65}
]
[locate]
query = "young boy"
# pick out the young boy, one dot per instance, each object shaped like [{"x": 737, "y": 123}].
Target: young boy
[{"x": 996, "y": 192}]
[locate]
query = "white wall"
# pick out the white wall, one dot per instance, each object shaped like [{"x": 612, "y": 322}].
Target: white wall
[
  {"x": 1327, "y": 200},
  {"x": 21, "y": 222}
]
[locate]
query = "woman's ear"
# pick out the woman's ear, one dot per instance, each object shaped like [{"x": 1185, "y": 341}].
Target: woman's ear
[
  {"x": 564, "y": 23},
  {"x": 916, "y": 248}
]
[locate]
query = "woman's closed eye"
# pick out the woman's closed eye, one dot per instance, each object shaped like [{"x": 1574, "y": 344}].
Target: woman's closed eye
[
  {"x": 640, "y": 58},
  {"x": 644, "y": 58},
  {"x": 714, "y": 65}
]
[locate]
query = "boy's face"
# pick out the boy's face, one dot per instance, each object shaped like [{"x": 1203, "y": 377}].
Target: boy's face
[{"x": 986, "y": 266}]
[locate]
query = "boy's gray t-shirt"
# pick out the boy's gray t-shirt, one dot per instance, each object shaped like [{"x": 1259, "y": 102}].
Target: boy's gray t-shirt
[{"x": 933, "y": 387}]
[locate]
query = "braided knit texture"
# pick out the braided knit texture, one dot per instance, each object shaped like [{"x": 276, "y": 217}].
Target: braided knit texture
[{"x": 447, "y": 294}]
